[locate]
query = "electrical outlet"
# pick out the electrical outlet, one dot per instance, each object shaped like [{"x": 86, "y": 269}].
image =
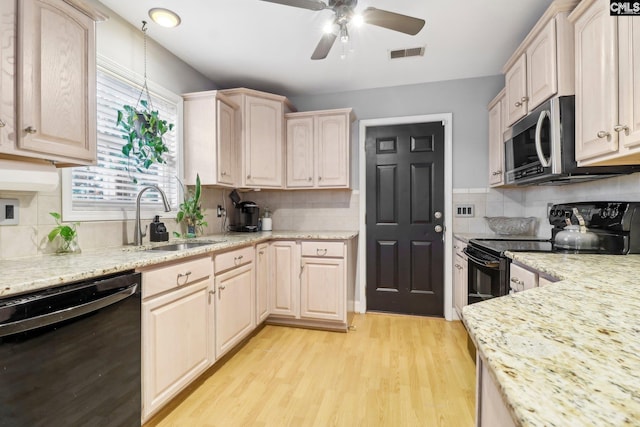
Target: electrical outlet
[
  {"x": 464, "y": 211},
  {"x": 9, "y": 212}
]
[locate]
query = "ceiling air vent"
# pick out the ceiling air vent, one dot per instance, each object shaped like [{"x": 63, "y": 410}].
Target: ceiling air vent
[{"x": 405, "y": 53}]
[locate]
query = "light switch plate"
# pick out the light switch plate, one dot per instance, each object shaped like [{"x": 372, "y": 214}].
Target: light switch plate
[{"x": 9, "y": 212}]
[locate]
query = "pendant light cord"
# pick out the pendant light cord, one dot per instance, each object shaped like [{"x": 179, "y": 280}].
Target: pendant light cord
[{"x": 145, "y": 88}]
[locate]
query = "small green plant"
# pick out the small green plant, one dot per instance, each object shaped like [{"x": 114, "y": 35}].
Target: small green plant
[
  {"x": 143, "y": 130},
  {"x": 190, "y": 210},
  {"x": 66, "y": 233}
]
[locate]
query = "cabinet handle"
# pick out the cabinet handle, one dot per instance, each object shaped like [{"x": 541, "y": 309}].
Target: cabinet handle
[
  {"x": 30, "y": 129},
  {"x": 324, "y": 252},
  {"x": 248, "y": 176},
  {"x": 517, "y": 281},
  {"x": 620, "y": 128},
  {"x": 185, "y": 275},
  {"x": 223, "y": 173},
  {"x": 603, "y": 134},
  {"x": 319, "y": 178},
  {"x": 524, "y": 99},
  {"x": 518, "y": 104},
  {"x": 2, "y": 123},
  {"x": 212, "y": 291},
  {"x": 222, "y": 288},
  {"x": 261, "y": 252}
]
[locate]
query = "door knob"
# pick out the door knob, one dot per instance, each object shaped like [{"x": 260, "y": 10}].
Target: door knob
[
  {"x": 437, "y": 214},
  {"x": 438, "y": 228}
]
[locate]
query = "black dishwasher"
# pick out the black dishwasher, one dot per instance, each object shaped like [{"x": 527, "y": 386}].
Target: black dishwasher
[{"x": 70, "y": 355}]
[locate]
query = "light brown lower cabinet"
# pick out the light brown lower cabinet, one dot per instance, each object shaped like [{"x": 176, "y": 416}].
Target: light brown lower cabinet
[
  {"x": 175, "y": 329},
  {"x": 491, "y": 411}
]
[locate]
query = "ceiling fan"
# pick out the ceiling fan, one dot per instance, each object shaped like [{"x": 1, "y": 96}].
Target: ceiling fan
[{"x": 344, "y": 11}]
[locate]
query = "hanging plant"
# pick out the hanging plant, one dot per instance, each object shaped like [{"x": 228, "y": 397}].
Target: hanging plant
[
  {"x": 142, "y": 127},
  {"x": 143, "y": 130}
]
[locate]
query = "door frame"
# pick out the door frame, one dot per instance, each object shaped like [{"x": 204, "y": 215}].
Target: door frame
[{"x": 447, "y": 121}]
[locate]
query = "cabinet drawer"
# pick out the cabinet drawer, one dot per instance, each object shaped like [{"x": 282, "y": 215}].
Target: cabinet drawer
[
  {"x": 521, "y": 279},
  {"x": 175, "y": 275},
  {"x": 233, "y": 259},
  {"x": 323, "y": 249}
]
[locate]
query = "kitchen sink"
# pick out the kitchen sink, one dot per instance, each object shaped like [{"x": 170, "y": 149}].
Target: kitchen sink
[{"x": 184, "y": 245}]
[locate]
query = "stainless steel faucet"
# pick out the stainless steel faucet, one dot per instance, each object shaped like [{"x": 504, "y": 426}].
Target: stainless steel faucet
[{"x": 139, "y": 234}]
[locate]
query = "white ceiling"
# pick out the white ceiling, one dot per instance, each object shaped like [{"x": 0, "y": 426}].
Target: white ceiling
[{"x": 267, "y": 46}]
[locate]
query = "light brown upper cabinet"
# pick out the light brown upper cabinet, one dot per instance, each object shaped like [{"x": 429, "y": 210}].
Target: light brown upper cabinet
[
  {"x": 210, "y": 139},
  {"x": 48, "y": 53},
  {"x": 607, "y": 86},
  {"x": 496, "y": 140},
  {"x": 261, "y": 118},
  {"x": 543, "y": 64},
  {"x": 318, "y": 149}
]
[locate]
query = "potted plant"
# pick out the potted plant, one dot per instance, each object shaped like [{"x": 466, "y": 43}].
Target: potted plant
[
  {"x": 143, "y": 130},
  {"x": 67, "y": 235},
  {"x": 190, "y": 210}
]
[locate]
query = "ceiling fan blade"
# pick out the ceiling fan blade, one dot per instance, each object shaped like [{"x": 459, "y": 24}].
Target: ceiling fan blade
[
  {"x": 304, "y": 4},
  {"x": 324, "y": 46},
  {"x": 393, "y": 21}
]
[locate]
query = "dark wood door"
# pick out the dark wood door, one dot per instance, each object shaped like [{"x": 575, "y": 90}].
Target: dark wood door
[{"x": 405, "y": 217}]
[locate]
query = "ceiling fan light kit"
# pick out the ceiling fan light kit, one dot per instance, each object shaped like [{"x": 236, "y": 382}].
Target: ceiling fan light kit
[{"x": 345, "y": 13}]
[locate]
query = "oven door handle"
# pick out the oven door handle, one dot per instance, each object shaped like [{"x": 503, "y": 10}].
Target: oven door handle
[
  {"x": 66, "y": 314},
  {"x": 543, "y": 161},
  {"x": 488, "y": 264}
]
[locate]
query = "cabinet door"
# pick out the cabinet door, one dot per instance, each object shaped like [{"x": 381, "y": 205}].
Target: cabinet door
[
  {"x": 263, "y": 142},
  {"x": 174, "y": 336},
  {"x": 542, "y": 67},
  {"x": 262, "y": 282},
  {"x": 596, "y": 82},
  {"x": 56, "y": 81},
  {"x": 629, "y": 86},
  {"x": 516, "y": 90},
  {"x": 7, "y": 75},
  {"x": 285, "y": 279},
  {"x": 496, "y": 146},
  {"x": 300, "y": 155},
  {"x": 235, "y": 307},
  {"x": 226, "y": 143},
  {"x": 322, "y": 289},
  {"x": 460, "y": 281},
  {"x": 332, "y": 150},
  {"x": 490, "y": 407}
]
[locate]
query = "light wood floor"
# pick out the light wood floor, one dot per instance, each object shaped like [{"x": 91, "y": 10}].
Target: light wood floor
[{"x": 391, "y": 371}]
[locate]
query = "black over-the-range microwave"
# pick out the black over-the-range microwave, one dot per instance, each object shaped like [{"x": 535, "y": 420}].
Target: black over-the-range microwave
[{"x": 540, "y": 148}]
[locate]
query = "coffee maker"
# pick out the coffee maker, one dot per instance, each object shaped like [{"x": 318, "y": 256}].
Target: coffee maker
[{"x": 244, "y": 216}]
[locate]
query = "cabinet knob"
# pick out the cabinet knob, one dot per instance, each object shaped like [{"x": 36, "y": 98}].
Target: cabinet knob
[
  {"x": 212, "y": 291},
  {"x": 518, "y": 104},
  {"x": 248, "y": 176},
  {"x": 319, "y": 178},
  {"x": 2, "y": 123},
  {"x": 310, "y": 179},
  {"x": 30, "y": 129},
  {"x": 603, "y": 134},
  {"x": 224, "y": 173},
  {"x": 620, "y": 128},
  {"x": 524, "y": 99},
  {"x": 222, "y": 288}
]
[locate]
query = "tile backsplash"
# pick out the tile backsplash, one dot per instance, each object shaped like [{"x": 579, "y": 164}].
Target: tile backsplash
[
  {"x": 304, "y": 210},
  {"x": 533, "y": 201}
]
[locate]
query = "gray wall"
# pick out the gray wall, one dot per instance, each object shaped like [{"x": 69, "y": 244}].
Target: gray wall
[{"x": 467, "y": 99}]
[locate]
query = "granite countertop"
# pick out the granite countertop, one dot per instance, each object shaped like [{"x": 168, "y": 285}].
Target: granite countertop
[
  {"x": 567, "y": 354},
  {"x": 33, "y": 273}
]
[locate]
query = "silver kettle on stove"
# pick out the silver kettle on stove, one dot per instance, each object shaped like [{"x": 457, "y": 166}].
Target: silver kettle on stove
[{"x": 576, "y": 237}]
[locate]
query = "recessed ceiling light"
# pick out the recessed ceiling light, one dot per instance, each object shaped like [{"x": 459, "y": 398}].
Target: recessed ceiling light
[{"x": 164, "y": 17}]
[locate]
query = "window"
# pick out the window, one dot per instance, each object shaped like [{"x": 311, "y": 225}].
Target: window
[{"x": 106, "y": 190}]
